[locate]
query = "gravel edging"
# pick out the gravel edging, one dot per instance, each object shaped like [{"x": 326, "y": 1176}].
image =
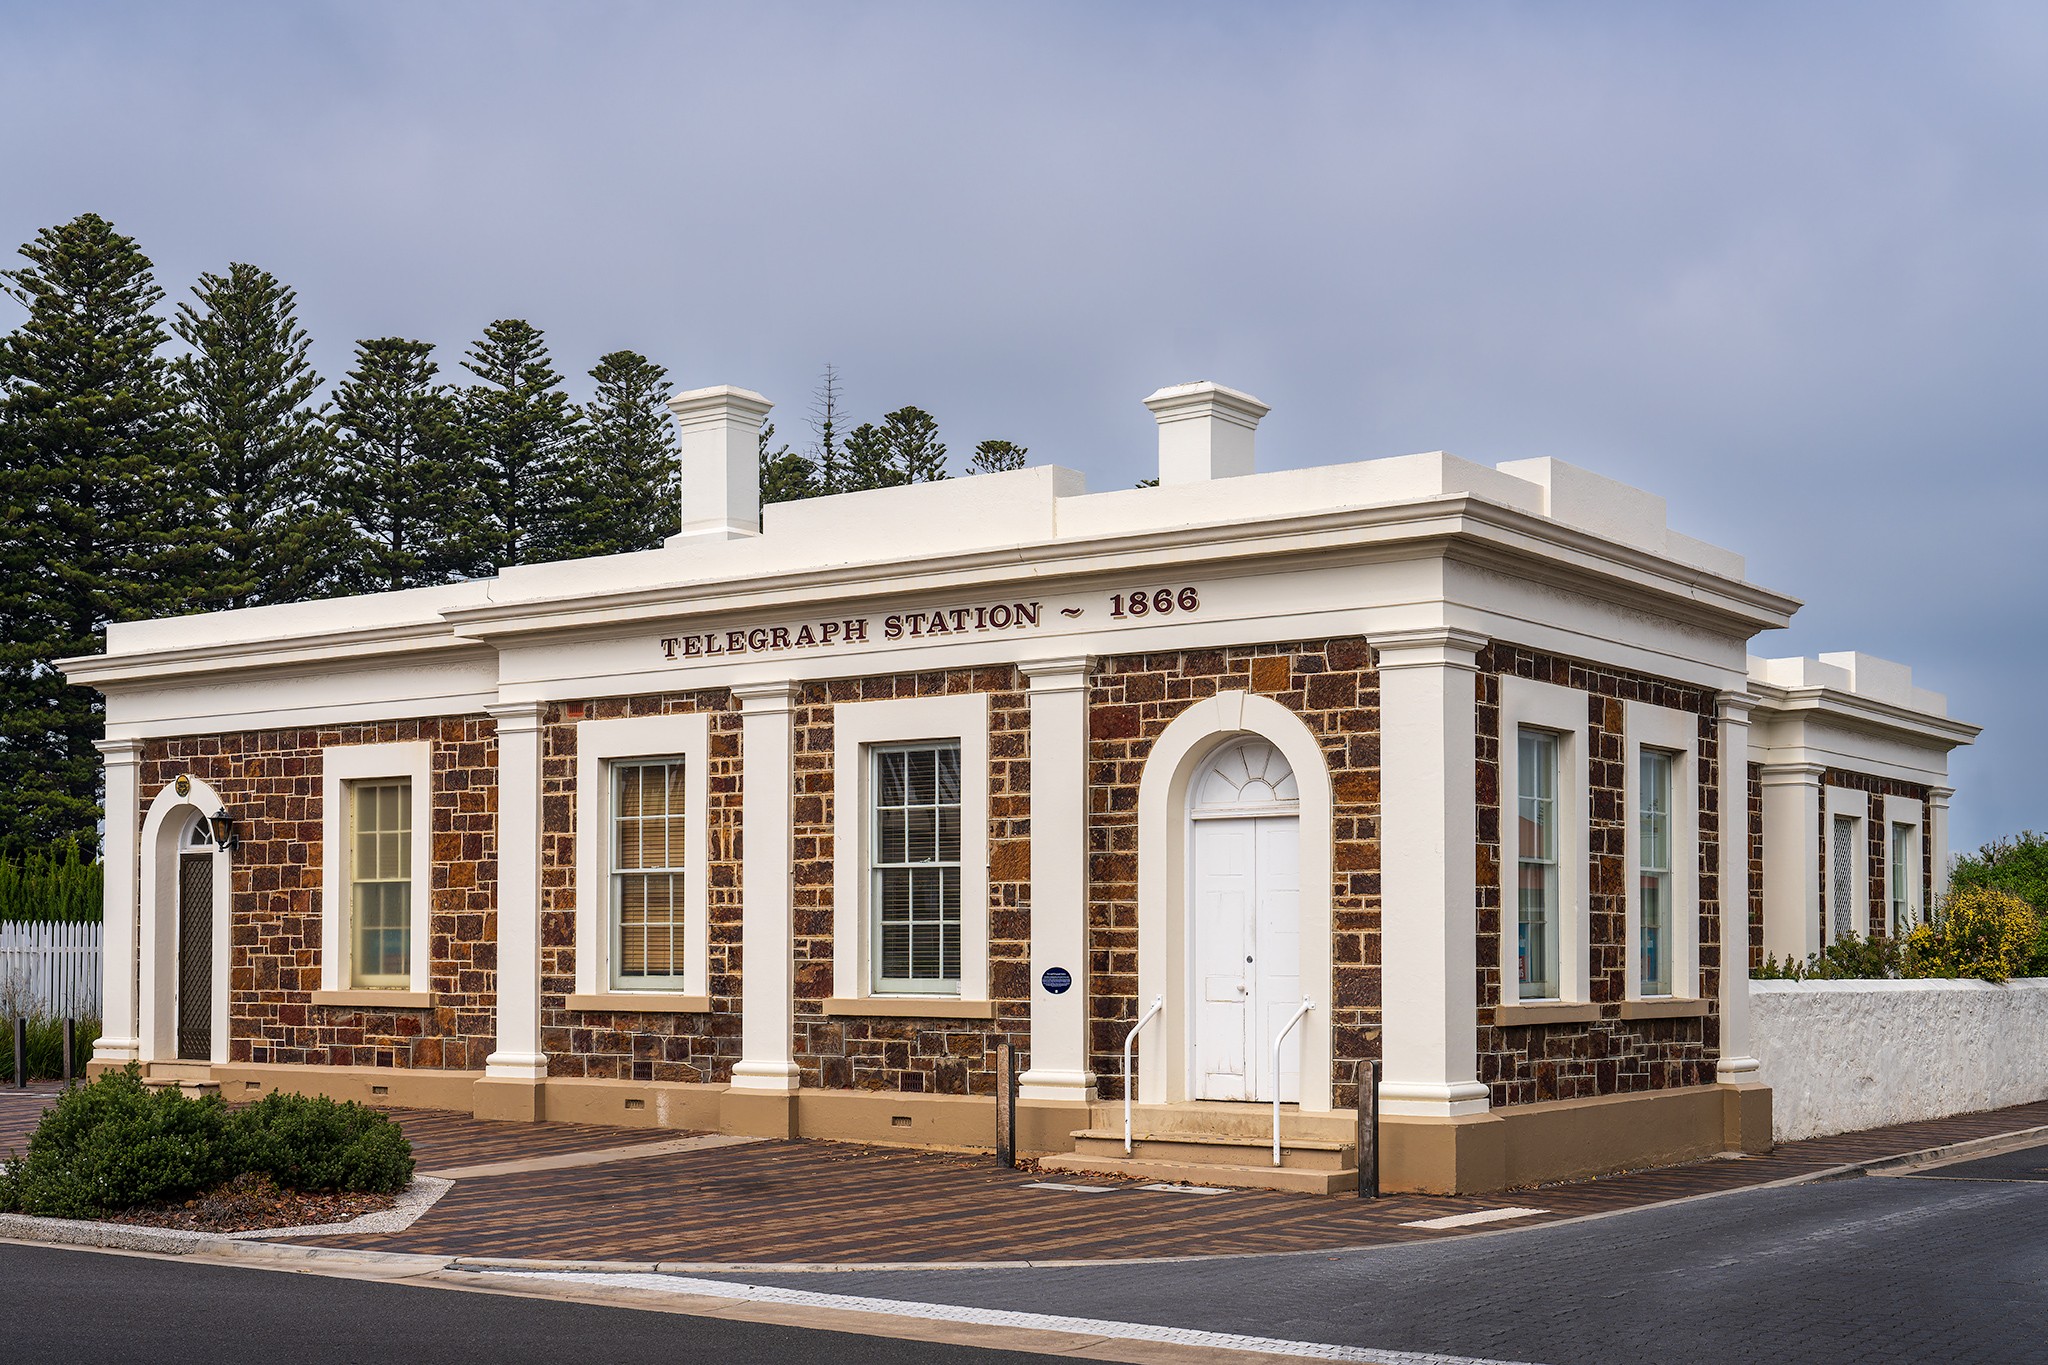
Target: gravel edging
[{"x": 414, "y": 1200}]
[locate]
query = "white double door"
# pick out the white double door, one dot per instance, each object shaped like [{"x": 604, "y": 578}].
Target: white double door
[{"x": 1247, "y": 956}]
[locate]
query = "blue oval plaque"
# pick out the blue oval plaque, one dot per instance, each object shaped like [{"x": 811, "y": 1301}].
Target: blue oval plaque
[{"x": 1056, "y": 980}]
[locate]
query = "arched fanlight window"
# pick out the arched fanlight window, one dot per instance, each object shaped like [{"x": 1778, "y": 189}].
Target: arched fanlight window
[
  {"x": 198, "y": 835},
  {"x": 1249, "y": 776}
]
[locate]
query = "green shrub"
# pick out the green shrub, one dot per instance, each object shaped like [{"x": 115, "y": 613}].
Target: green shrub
[
  {"x": 1847, "y": 959},
  {"x": 308, "y": 1142},
  {"x": 1978, "y": 931},
  {"x": 55, "y": 885},
  {"x": 113, "y": 1144}
]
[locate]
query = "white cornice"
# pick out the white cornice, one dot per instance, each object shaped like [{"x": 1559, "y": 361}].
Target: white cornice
[
  {"x": 1514, "y": 539},
  {"x": 1862, "y": 714},
  {"x": 1460, "y": 526}
]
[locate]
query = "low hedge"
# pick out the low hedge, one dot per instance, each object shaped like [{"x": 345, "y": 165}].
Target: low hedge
[
  {"x": 1978, "y": 931},
  {"x": 116, "y": 1144}
]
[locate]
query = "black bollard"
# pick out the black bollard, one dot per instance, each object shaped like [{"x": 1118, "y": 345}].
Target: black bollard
[
  {"x": 70, "y": 1049},
  {"x": 1369, "y": 1133},
  {"x": 20, "y": 1053},
  {"x": 1006, "y": 1106}
]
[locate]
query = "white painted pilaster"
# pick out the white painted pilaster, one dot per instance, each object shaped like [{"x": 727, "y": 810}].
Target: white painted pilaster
[
  {"x": 1059, "y": 880},
  {"x": 119, "y": 1039},
  {"x": 1937, "y": 836},
  {"x": 1428, "y": 831},
  {"x": 518, "y": 1055},
  {"x": 767, "y": 818},
  {"x": 1738, "y": 1057},
  {"x": 1792, "y": 859}
]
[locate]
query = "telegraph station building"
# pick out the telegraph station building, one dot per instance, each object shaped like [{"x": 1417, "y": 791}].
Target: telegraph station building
[{"x": 785, "y": 827}]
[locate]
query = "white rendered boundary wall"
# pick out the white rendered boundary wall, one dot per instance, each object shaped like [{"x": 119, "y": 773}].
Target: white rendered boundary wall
[{"x": 1844, "y": 1055}]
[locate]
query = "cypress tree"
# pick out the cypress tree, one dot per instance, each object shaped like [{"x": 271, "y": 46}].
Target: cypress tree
[
  {"x": 786, "y": 475},
  {"x": 262, "y": 449},
  {"x": 519, "y": 439},
  {"x": 629, "y": 489},
  {"x": 98, "y": 508},
  {"x": 904, "y": 448},
  {"x": 912, "y": 435},
  {"x": 993, "y": 456},
  {"x": 394, "y": 468}
]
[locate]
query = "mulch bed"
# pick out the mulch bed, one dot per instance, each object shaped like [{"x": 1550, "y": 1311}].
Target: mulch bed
[{"x": 250, "y": 1203}]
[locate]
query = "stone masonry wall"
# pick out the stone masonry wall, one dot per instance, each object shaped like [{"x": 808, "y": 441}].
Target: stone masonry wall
[
  {"x": 271, "y": 780},
  {"x": 622, "y": 1044},
  {"x": 1528, "y": 1063},
  {"x": 881, "y": 1052},
  {"x": 1333, "y": 687}
]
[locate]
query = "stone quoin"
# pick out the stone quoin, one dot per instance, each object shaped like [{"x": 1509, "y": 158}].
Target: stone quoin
[{"x": 785, "y": 827}]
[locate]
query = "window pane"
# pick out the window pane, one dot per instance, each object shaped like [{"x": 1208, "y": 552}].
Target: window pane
[
  {"x": 380, "y": 883},
  {"x": 889, "y": 783},
  {"x": 915, "y": 908},
  {"x": 1536, "y": 874},
  {"x": 648, "y": 893}
]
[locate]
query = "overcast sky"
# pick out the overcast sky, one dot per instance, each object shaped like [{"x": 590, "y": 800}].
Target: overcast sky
[{"x": 1785, "y": 265}]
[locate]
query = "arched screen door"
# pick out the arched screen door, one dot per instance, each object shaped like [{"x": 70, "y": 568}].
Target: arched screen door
[
  {"x": 1246, "y": 880},
  {"x": 195, "y": 946}
]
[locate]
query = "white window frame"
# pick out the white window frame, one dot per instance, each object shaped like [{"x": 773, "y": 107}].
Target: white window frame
[
  {"x": 1849, "y": 804},
  {"x": 599, "y": 744},
  {"x": 1526, "y": 704},
  {"x": 1904, "y": 810},
  {"x": 341, "y": 766},
  {"x": 858, "y": 728},
  {"x": 1677, "y": 734}
]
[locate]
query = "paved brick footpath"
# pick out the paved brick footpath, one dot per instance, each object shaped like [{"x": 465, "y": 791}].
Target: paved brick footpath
[{"x": 833, "y": 1202}]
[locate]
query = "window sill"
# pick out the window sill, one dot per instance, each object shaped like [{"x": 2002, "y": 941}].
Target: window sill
[
  {"x": 1544, "y": 1012},
  {"x": 376, "y": 999},
  {"x": 638, "y": 1002},
  {"x": 1665, "y": 1008},
  {"x": 912, "y": 1007}
]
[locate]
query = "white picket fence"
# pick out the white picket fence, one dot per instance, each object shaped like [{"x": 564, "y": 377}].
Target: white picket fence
[{"x": 50, "y": 969}]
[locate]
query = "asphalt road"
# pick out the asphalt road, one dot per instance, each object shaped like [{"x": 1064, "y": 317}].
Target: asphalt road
[
  {"x": 89, "y": 1308},
  {"x": 1952, "y": 1266},
  {"x": 1946, "y": 1265}
]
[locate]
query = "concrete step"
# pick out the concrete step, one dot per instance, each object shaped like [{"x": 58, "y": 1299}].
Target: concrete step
[
  {"x": 192, "y": 1078},
  {"x": 1238, "y": 1177},
  {"x": 1218, "y": 1149},
  {"x": 1237, "y": 1118}
]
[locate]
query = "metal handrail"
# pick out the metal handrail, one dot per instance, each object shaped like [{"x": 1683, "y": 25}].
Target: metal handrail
[
  {"x": 1158, "y": 1004},
  {"x": 1279, "y": 1038}
]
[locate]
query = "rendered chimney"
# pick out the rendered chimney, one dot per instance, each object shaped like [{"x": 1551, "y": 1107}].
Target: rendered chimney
[
  {"x": 720, "y": 430},
  {"x": 1205, "y": 431}
]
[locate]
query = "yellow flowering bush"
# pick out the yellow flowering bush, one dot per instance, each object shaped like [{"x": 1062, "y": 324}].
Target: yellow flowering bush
[{"x": 1980, "y": 932}]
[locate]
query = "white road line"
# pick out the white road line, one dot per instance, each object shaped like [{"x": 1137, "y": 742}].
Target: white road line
[
  {"x": 1467, "y": 1220},
  {"x": 1072, "y": 1189},
  {"x": 997, "y": 1317}
]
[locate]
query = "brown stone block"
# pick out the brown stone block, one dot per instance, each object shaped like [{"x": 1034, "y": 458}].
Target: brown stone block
[
  {"x": 1113, "y": 722},
  {"x": 1354, "y": 787}
]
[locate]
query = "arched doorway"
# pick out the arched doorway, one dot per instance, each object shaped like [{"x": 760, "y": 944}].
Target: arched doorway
[
  {"x": 1244, "y": 893},
  {"x": 1181, "y": 773},
  {"x": 195, "y": 944},
  {"x": 184, "y": 932}
]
